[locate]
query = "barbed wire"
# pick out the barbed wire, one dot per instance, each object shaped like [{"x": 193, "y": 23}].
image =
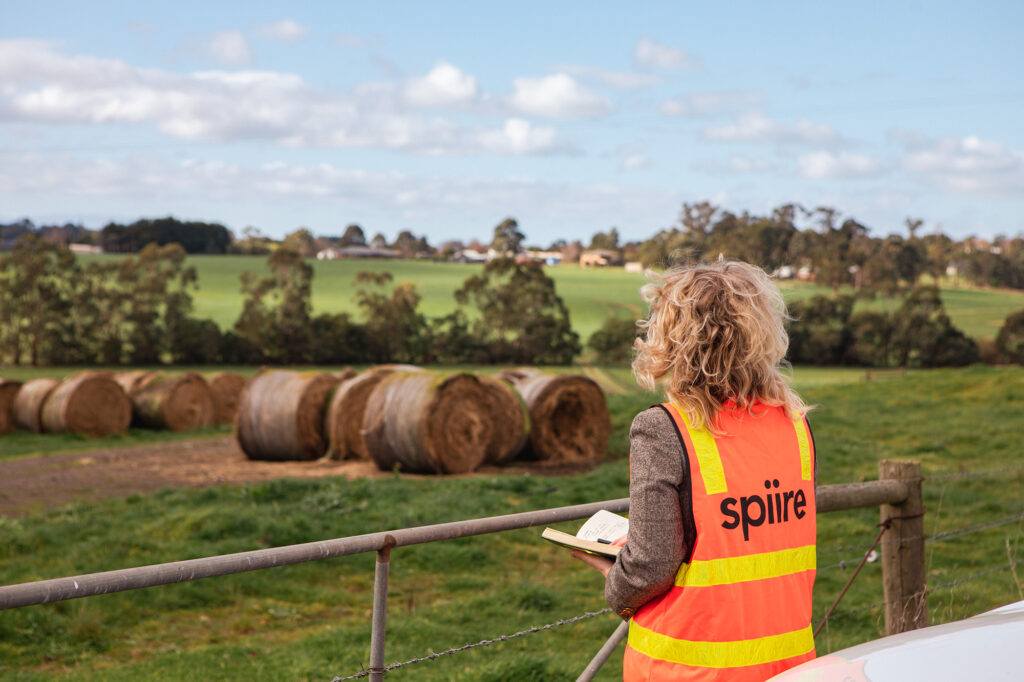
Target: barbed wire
[
  {"x": 942, "y": 536},
  {"x": 974, "y": 576},
  {"x": 971, "y": 530},
  {"x": 466, "y": 647},
  {"x": 933, "y": 588},
  {"x": 971, "y": 474},
  {"x": 843, "y": 548},
  {"x": 844, "y": 563}
]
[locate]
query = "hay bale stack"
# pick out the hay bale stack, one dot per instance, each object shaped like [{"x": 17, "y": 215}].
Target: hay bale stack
[
  {"x": 518, "y": 374},
  {"x": 8, "y": 392},
  {"x": 511, "y": 428},
  {"x": 135, "y": 380},
  {"x": 345, "y": 374},
  {"x": 569, "y": 418},
  {"x": 429, "y": 423},
  {"x": 226, "y": 389},
  {"x": 88, "y": 404},
  {"x": 28, "y": 403},
  {"x": 343, "y": 422},
  {"x": 176, "y": 402},
  {"x": 281, "y": 415}
]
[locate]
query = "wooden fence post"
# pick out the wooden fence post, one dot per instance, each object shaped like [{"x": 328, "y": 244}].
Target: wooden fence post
[{"x": 903, "y": 565}]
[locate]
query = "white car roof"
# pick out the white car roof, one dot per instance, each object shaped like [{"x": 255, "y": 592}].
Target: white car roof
[{"x": 984, "y": 647}]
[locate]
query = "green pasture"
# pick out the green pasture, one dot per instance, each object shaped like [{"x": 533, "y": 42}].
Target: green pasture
[
  {"x": 590, "y": 294},
  {"x": 312, "y": 621}
]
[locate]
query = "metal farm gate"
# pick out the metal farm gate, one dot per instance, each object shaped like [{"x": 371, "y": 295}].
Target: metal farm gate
[{"x": 901, "y": 535}]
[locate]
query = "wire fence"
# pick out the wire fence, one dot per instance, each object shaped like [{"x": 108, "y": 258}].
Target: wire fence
[
  {"x": 932, "y": 588},
  {"x": 952, "y": 475},
  {"x": 366, "y": 672},
  {"x": 943, "y": 536},
  {"x": 867, "y": 555}
]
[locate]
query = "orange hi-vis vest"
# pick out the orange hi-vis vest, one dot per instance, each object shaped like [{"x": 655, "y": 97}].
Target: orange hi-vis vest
[{"x": 740, "y": 608}]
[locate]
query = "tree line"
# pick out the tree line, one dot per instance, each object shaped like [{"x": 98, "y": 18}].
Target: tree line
[
  {"x": 834, "y": 251},
  {"x": 831, "y": 249},
  {"x": 137, "y": 311},
  {"x": 825, "y": 330}
]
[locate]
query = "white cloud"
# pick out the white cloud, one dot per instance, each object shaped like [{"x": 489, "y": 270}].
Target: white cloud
[
  {"x": 635, "y": 162},
  {"x": 705, "y": 103},
  {"x": 557, "y": 95},
  {"x": 756, "y": 127},
  {"x": 286, "y": 30},
  {"x": 444, "y": 85},
  {"x": 463, "y": 201},
  {"x": 230, "y": 48},
  {"x": 735, "y": 164},
  {"x": 823, "y": 164},
  {"x": 651, "y": 54},
  {"x": 966, "y": 165},
  {"x": 42, "y": 85},
  {"x": 519, "y": 136},
  {"x": 618, "y": 80}
]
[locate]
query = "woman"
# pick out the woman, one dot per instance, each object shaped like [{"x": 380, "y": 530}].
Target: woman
[{"x": 717, "y": 571}]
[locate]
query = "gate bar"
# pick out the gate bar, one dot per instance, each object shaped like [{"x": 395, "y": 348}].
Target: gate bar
[
  {"x": 829, "y": 498},
  {"x": 59, "y": 589}
]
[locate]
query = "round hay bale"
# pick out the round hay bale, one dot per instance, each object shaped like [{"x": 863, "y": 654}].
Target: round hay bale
[
  {"x": 226, "y": 388},
  {"x": 428, "y": 423},
  {"x": 8, "y": 392},
  {"x": 281, "y": 415},
  {"x": 569, "y": 418},
  {"x": 134, "y": 380},
  {"x": 176, "y": 402},
  {"x": 399, "y": 368},
  {"x": 343, "y": 422},
  {"x": 511, "y": 427},
  {"x": 28, "y": 403},
  {"x": 518, "y": 374},
  {"x": 89, "y": 404},
  {"x": 345, "y": 374}
]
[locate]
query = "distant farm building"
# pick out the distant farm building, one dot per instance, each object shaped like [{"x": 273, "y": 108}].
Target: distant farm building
[
  {"x": 469, "y": 256},
  {"x": 599, "y": 258},
  {"x": 785, "y": 272},
  {"x": 356, "y": 252},
  {"x": 546, "y": 257}
]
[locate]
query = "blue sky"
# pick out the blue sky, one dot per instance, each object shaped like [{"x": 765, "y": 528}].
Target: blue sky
[{"x": 444, "y": 118}]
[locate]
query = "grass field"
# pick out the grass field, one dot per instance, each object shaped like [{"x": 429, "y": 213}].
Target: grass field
[
  {"x": 591, "y": 294},
  {"x": 312, "y": 621}
]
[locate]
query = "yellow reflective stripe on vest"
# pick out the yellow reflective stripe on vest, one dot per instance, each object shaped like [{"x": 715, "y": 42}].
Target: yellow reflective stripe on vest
[
  {"x": 740, "y": 569},
  {"x": 708, "y": 459},
  {"x": 734, "y": 654},
  {"x": 804, "y": 441}
]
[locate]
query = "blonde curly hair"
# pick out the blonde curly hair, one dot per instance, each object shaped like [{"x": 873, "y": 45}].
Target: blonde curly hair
[{"x": 716, "y": 331}]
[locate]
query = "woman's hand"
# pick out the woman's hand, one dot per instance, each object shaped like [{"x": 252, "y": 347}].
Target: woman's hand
[{"x": 602, "y": 564}]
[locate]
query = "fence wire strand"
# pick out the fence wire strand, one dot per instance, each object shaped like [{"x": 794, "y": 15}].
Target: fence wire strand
[
  {"x": 937, "y": 537},
  {"x": 933, "y": 588},
  {"x": 951, "y": 475},
  {"x": 466, "y": 647}
]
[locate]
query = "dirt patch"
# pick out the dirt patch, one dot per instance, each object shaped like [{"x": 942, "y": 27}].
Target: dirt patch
[{"x": 48, "y": 481}]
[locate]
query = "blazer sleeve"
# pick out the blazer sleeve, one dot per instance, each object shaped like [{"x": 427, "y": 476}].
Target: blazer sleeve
[{"x": 655, "y": 546}]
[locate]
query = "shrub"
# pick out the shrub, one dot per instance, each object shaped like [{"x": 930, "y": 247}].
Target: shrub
[
  {"x": 819, "y": 334},
  {"x": 613, "y": 342},
  {"x": 1010, "y": 339}
]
